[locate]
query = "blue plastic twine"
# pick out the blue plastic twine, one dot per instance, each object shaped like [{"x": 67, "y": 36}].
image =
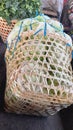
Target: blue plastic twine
[
  {"x": 18, "y": 38},
  {"x": 31, "y": 24},
  {"x": 37, "y": 13},
  {"x": 72, "y": 54},
  {"x": 45, "y": 28},
  {"x": 67, "y": 44},
  {"x": 38, "y": 31}
]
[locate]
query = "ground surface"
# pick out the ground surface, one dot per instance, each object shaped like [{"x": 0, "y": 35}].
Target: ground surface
[{"x": 22, "y": 122}]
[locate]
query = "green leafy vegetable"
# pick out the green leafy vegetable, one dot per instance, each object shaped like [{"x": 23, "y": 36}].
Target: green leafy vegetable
[{"x": 18, "y": 9}]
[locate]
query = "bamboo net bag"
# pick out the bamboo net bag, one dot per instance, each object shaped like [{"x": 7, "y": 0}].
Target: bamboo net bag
[
  {"x": 5, "y": 28},
  {"x": 39, "y": 75}
]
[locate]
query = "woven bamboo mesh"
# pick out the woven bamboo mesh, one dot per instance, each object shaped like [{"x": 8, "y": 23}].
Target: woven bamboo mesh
[
  {"x": 5, "y": 29},
  {"x": 39, "y": 74}
]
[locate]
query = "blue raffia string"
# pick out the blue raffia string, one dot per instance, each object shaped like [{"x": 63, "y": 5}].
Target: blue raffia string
[
  {"x": 58, "y": 29},
  {"x": 37, "y": 13},
  {"x": 67, "y": 44},
  {"x": 9, "y": 47},
  {"x": 31, "y": 24},
  {"x": 18, "y": 38},
  {"x": 38, "y": 31},
  {"x": 62, "y": 31},
  {"x": 72, "y": 54},
  {"x": 54, "y": 27},
  {"x": 45, "y": 28}
]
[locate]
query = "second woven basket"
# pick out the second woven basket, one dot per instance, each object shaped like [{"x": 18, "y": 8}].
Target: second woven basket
[{"x": 6, "y": 28}]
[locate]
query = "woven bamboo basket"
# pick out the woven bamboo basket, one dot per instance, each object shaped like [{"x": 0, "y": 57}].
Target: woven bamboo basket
[
  {"x": 6, "y": 28},
  {"x": 39, "y": 75}
]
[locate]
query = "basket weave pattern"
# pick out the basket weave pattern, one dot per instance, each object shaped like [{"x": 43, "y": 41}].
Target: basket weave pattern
[
  {"x": 39, "y": 75},
  {"x": 5, "y": 29}
]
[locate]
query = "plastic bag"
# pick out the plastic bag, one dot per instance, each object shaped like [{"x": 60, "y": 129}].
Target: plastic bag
[{"x": 55, "y": 5}]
